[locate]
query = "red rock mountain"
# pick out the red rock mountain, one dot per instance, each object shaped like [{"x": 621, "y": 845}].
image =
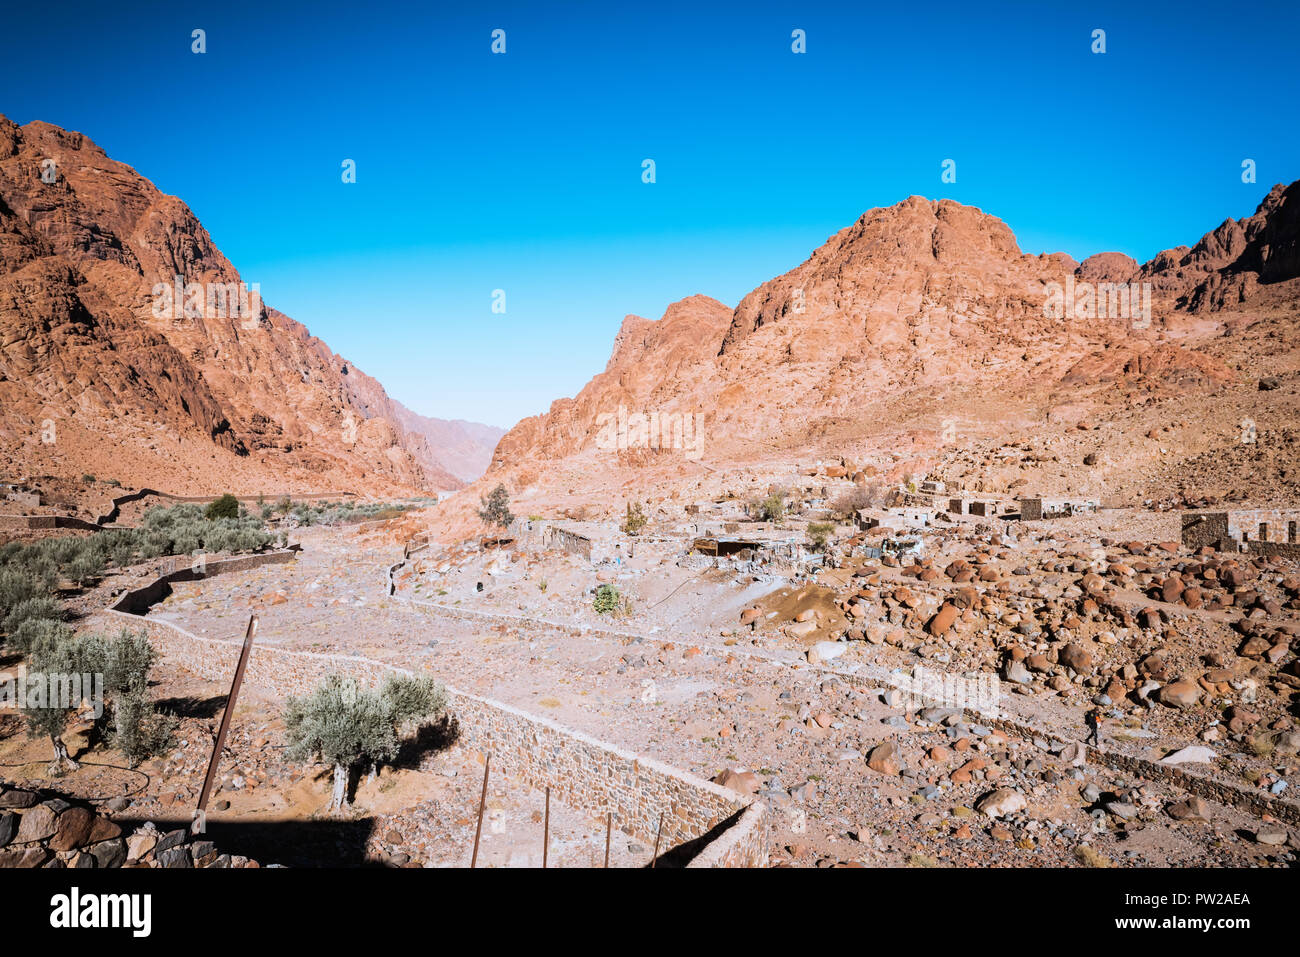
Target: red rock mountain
[
  {"x": 96, "y": 378},
  {"x": 926, "y": 318}
]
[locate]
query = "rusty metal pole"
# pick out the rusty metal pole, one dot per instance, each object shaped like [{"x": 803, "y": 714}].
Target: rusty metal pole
[
  {"x": 658, "y": 834},
  {"x": 609, "y": 826},
  {"x": 546, "y": 827},
  {"x": 487, "y": 762},
  {"x": 199, "y": 821}
]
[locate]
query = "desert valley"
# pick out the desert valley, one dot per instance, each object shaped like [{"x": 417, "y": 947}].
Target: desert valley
[{"x": 927, "y": 552}]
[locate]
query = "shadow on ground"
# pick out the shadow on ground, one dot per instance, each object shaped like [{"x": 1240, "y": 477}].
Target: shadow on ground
[
  {"x": 320, "y": 843},
  {"x": 683, "y": 853}
]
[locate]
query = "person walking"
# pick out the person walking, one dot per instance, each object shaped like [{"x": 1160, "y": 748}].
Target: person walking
[{"x": 1093, "y": 720}]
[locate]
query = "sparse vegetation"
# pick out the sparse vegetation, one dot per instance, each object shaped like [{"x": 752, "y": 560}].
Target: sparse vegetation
[
  {"x": 819, "y": 533},
  {"x": 773, "y": 508},
  {"x": 607, "y": 600},
  {"x": 846, "y": 506},
  {"x": 133, "y": 724},
  {"x": 635, "y": 520},
  {"x": 342, "y": 513},
  {"x": 128, "y": 719},
  {"x": 31, "y": 573}
]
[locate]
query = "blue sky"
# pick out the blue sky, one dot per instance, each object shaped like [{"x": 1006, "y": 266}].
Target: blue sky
[{"x": 522, "y": 171}]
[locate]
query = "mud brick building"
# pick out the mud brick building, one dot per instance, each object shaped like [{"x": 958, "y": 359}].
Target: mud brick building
[{"x": 1260, "y": 531}]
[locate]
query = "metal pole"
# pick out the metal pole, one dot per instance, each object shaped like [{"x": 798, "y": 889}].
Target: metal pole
[
  {"x": 199, "y": 821},
  {"x": 609, "y": 826},
  {"x": 658, "y": 834},
  {"x": 546, "y": 827},
  {"x": 487, "y": 762}
]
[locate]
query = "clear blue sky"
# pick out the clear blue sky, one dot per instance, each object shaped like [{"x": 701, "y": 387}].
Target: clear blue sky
[{"x": 523, "y": 171}]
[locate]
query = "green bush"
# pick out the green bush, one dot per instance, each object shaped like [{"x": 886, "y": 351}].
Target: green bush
[
  {"x": 32, "y": 632},
  {"x": 772, "y": 509},
  {"x": 86, "y": 567},
  {"x": 139, "y": 729},
  {"x": 819, "y": 533},
  {"x": 134, "y": 726},
  {"x": 607, "y": 600},
  {"x": 225, "y": 507},
  {"x": 635, "y": 520}
]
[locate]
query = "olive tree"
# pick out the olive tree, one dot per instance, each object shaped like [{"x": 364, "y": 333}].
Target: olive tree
[
  {"x": 54, "y": 650},
  {"x": 495, "y": 508},
  {"x": 344, "y": 725},
  {"x": 133, "y": 724}
]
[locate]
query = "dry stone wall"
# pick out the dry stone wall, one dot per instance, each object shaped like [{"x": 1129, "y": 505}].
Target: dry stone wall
[{"x": 586, "y": 774}]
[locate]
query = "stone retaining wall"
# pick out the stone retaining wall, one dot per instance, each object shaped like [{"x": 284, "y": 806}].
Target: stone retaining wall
[
  {"x": 586, "y": 774},
  {"x": 34, "y": 522},
  {"x": 140, "y": 600}
]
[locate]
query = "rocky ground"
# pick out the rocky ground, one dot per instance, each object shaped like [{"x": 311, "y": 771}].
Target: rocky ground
[{"x": 1188, "y": 657}]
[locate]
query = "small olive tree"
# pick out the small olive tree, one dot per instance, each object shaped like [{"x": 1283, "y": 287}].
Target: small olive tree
[
  {"x": 225, "y": 507},
  {"x": 53, "y": 650},
  {"x": 495, "y": 508},
  {"x": 133, "y": 724},
  {"x": 818, "y": 534},
  {"x": 635, "y": 520},
  {"x": 343, "y": 725}
]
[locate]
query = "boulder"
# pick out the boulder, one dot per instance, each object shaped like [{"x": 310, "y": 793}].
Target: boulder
[
  {"x": 1001, "y": 802},
  {"x": 884, "y": 759},
  {"x": 1180, "y": 694}
]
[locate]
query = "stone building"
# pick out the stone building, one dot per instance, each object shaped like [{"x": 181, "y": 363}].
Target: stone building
[
  {"x": 1260, "y": 531},
  {"x": 1035, "y": 509}
]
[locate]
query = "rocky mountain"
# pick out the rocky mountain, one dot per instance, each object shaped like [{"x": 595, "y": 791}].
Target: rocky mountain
[
  {"x": 922, "y": 329},
  {"x": 111, "y": 365},
  {"x": 463, "y": 448}
]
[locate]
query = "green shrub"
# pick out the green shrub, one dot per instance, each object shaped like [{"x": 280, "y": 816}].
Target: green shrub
[
  {"x": 635, "y": 519},
  {"x": 85, "y": 568},
  {"x": 772, "y": 509},
  {"x": 139, "y": 729},
  {"x": 819, "y": 533},
  {"x": 18, "y": 585},
  {"x": 30, "y": 609},
  {"x": 607, "y": 600},
  {"x": 134, "y": 726},
  {"x": 225, "y": 507},
  {"x": 34, "y": 631}
]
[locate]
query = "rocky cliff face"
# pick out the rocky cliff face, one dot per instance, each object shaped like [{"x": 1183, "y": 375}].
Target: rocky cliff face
[
  {"x": 103, "y": 369},
  {"x": 922, "y": 319}
]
